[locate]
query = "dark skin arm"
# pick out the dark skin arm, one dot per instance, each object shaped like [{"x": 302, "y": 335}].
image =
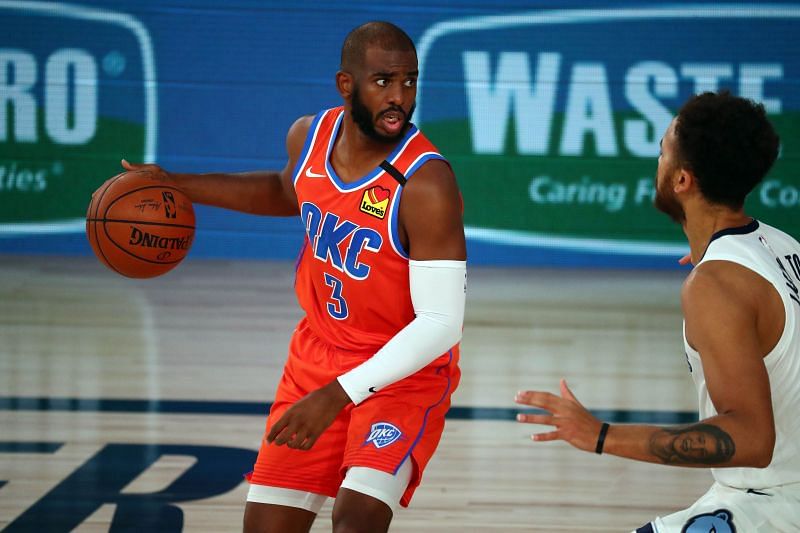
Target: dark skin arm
[
  {"x": 431, "y": 227},
  {"x": 263, "y": 192},
  {"x": 733, "y": 319}
]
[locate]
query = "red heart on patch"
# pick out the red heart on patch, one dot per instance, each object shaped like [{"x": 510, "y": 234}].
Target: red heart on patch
[{"x": 379, "y": 193}]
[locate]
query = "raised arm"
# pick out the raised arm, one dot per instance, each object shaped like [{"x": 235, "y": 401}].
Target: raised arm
[
  {"x": 733, "y": 319},
  {"x": 261, "y": 192}
]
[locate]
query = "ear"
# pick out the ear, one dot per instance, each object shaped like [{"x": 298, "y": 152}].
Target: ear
[
  {"x": 684, "y": 181},
  {"x": 344, "y": 84}
]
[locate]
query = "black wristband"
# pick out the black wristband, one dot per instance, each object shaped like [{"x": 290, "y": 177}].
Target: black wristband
[{"x": 601, "y": 438}]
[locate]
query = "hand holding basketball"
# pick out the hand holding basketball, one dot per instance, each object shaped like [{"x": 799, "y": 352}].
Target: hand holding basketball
[
  {"x": 138, "y": 224},
  {"x": 154, "y": 171}
]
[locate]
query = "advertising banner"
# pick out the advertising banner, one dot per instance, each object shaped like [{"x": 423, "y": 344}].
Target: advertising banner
[
  {"x": 553, "y": 119},
  {"x": 77, "y": 88}
]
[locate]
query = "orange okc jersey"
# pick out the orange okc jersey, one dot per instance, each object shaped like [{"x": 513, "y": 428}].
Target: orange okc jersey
[{"x": 352, "y": 274}]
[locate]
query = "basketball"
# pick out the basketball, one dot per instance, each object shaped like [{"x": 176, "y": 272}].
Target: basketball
[{"x": 138, "y": 226}]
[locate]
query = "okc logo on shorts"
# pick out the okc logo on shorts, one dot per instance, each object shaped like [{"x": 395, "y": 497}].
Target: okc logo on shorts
[
  {"x": 720, "y": 521},
  {"x": 382, "y": 434}
]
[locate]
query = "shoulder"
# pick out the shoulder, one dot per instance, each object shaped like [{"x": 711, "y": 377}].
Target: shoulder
[
  {"x": 434, "y": 179},
  {"x": 430, "y": 215},
  {"x": 722, "y": 283},
  {"x": 297, "y": 134}
]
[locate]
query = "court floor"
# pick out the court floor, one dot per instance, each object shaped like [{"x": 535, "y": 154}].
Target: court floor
[{"x": 137, "y": 405}]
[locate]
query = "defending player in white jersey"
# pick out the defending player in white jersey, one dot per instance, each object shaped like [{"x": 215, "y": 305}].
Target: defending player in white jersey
[{"x": 741, "y": 306}]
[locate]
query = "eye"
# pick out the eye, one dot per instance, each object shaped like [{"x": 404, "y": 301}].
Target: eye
[
  {"x": 411, "y": 82},
  {"x": 382, "y": 82}
]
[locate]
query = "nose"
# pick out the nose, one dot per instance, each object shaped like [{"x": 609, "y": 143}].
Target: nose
[{"x": 395, "y": 96}]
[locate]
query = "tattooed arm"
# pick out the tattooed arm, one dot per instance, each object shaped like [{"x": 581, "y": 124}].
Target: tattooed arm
[
  {"x": 733, "y": 319},
  {"x": 698, "y": 444}
]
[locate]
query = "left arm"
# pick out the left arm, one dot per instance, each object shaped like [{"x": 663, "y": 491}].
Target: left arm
[
  {"x": 431, "y": 228},
  {"x": 722, "y": 303},
  {"x": 432, "y": 231}
]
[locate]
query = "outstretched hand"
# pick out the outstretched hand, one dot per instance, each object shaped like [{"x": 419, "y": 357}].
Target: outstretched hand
[
  {"x": 303, "y": 423},
  {"x": 572, "y": 421}
]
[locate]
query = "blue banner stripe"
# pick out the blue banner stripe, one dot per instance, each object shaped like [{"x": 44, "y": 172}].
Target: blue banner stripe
[
  {"x": 106, "y": 405},
  {"x": 29, "y": 447}
]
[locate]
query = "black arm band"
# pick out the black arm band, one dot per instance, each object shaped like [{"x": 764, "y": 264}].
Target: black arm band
[{"x": 601, "y": 438}]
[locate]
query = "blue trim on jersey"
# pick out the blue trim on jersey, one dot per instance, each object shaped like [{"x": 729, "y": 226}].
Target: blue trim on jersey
[
  {"x": 425, "y": 418},
  {"x": 394, "y": 234},
  {"x": 741, "y": 230},
  {"x": 307, "y": 146},
  {"x": 378, "y": 170},
  {"x": 299, "y": 259},
  {"x": 422, "y": 161}
]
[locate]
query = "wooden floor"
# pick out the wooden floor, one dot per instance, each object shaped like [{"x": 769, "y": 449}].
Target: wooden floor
[{"x": 123, "y": 396}]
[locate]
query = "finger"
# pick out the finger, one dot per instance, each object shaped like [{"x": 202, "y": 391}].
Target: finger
[
  {"x": 278, "y": 439},
  {"x": 297, "y": 440},
  {"x": 128, "y": 166},
  {"x": 545, "y": 400},
  {"x": 309, "y": 443},
  {"x": 284, "y": 437},
  {"x": 536, "y": 419},
  {"x": 277, "y": 428},
  {"x": 566, "y": 393},
  {"x": 685, "y": 260},
  {"x": 544, "y": 437},
  {"x": 287, "y": 436}
]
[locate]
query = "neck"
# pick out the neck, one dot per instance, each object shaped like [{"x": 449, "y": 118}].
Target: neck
[
  {"x": 354, "y": 151},
  {"x": 702, "y": 223}
]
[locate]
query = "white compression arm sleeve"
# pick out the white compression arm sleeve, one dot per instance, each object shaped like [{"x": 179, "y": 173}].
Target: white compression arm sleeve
[{"x": 438, "y": 294}]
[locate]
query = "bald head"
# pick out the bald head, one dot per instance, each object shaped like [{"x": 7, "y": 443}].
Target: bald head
[{"x": 383, "y": 35}]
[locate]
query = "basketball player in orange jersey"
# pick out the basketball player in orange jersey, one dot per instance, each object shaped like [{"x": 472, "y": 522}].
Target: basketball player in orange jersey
[{"x": 381, "y": 277}]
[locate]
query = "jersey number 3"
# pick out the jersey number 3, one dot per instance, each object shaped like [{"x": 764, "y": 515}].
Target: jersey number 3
[{"x": 337, "y": 306}]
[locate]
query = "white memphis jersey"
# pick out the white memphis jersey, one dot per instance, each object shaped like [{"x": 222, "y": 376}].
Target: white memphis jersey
[{"x": 775, "y": 256}]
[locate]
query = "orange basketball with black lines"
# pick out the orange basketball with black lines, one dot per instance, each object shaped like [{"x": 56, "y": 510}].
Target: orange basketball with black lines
[{"x": 139, "y": 226}]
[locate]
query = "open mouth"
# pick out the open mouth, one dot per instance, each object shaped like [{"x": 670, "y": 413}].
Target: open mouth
[{"x": 392, "y": 121}]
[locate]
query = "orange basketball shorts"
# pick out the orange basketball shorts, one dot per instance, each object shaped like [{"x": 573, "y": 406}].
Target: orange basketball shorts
[{"x": 403, "y": 421}]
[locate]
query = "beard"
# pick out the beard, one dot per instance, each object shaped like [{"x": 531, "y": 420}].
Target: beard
[
  {"x": 366, "y": 122},
  {"x": 666, "y": 202}
]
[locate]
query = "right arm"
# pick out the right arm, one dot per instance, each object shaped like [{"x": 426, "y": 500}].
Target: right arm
[{"x": 261, "y": 192}]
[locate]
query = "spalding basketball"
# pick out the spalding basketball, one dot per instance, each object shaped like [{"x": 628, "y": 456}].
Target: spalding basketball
[{"x": 138, "y": 226}]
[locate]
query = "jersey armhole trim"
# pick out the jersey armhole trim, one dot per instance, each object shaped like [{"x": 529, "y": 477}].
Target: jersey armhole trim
[
  {"x": 394, "y": 210},
  {"x": 309, "y": 142},
  {"x": 394, "y": 233},
  {"x": 421, "y": 160}
]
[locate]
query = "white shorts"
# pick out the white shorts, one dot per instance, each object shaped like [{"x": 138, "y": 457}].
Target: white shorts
[
  {"x": 724, "y": 509},
  {"x": 385, "y": 487}
]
